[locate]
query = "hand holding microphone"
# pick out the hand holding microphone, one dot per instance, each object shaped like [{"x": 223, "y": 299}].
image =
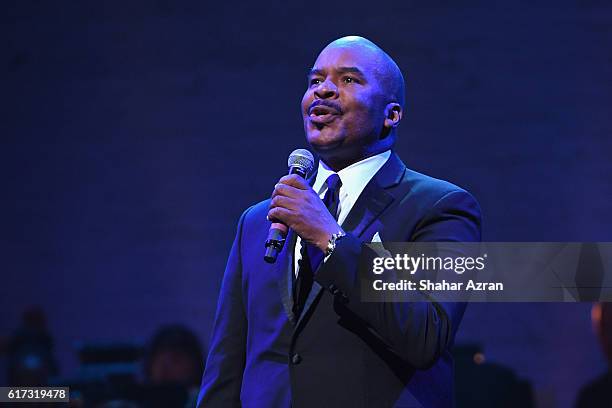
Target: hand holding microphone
[{"x": 295, "y": 205}]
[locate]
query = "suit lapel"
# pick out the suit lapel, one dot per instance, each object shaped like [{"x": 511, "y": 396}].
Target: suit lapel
[
  {"x": 369, "y": 206},
  {"x": 284, "y": 267},
  {"x": 375, "y": 198}
]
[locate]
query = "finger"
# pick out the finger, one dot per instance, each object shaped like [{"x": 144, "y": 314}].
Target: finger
[
  {"x": 283, "y": 202},
  {"x": 285, "y": 190},
  {"x": 295, "y": 181},
  {"x": 280, "y": 214}
]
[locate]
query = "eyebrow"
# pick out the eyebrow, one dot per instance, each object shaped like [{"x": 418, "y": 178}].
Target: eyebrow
[{"x": 341, "y": 70}]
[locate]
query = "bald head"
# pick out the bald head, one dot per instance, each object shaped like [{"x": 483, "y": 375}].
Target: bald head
[
  {"x": 387, "y": 71},
  {"x": 353, "y": 103}
]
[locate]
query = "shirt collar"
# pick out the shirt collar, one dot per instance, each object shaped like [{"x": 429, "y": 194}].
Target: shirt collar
[{"x": 354, "y": 177}]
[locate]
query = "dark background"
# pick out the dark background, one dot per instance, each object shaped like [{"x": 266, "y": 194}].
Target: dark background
[{"x": 135, "y": 133}]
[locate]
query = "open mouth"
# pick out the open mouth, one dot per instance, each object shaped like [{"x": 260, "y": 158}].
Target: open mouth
[{"x": 323, "y": 114}]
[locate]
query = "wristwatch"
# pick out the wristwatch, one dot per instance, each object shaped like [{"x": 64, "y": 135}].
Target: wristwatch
[{"x": 331, "y": 244}]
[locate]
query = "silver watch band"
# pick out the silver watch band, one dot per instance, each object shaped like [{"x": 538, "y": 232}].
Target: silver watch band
[{"x": 331, "y": 244}]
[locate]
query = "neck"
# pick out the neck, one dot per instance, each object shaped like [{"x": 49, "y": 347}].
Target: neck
[{"x": 337, "y": 163}]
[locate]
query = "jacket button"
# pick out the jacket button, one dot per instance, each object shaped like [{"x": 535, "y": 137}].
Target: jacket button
[{"x": 296, "y": 358}]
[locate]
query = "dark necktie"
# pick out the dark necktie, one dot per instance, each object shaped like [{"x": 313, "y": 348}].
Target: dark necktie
[{"x": 303, "y": 282}]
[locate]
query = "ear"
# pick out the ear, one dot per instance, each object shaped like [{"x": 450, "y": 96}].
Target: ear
[{"x": 393, "y": 115}]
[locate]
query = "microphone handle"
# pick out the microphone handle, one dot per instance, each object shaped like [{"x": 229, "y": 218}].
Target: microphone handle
[{"x": 278, "y": 230}]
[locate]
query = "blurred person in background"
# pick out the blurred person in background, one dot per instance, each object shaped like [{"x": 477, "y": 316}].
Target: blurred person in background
[
  {"x": 175, "y": 358},
  {"x": 598, "y": 392},
  {"x": 30, "y": 352}
]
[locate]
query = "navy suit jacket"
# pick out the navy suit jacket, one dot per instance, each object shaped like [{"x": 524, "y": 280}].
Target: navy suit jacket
[{"x": 340, "y": 352}]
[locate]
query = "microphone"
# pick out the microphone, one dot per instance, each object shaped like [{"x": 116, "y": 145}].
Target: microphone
[{"x": 300, "y": 162}]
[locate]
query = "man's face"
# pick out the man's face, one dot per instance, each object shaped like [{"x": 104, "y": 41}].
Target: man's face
[{"x": 344, "y": 105}]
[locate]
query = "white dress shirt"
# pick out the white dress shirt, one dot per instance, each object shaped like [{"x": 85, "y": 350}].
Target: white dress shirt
[{"x": 354, "y": 179}]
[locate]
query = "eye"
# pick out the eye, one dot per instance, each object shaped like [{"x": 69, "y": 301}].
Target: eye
[
  {"x": 350, "y": 80},
  {"x": 315, "y": 81}
]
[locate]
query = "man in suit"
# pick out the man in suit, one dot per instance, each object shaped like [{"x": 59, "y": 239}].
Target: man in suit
[{"x": 296, "y": 333}]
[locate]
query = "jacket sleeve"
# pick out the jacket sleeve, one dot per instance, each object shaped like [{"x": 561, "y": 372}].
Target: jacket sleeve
[
  {"x": 222, "y": 378},
  {"x": 417, "y": 332}
]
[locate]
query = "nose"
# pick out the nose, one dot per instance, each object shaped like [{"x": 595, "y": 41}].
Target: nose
[{"x": 326, "y": 90}]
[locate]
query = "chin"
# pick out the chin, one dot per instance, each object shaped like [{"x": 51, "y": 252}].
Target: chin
[
  {"x": 324, "y": 139},
  {"x": 320, "y": 145}
]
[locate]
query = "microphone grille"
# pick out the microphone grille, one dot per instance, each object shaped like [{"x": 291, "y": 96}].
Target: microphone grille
[{"x": 301, "y": 158}]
